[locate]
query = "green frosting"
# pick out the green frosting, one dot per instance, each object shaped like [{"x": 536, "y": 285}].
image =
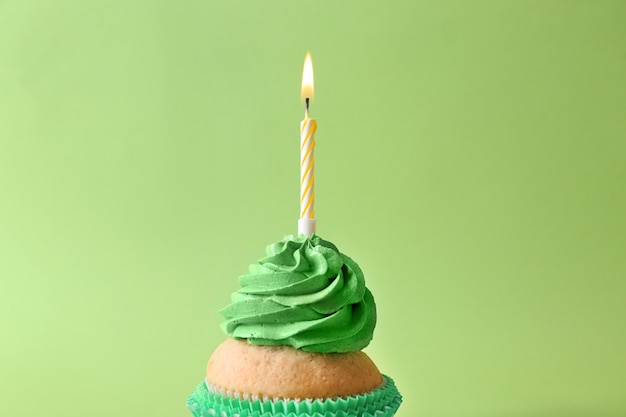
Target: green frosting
[{"x": 305, "y": 294}]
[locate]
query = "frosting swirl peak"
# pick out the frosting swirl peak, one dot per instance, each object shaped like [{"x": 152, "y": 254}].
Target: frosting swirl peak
[{"x": 306, "y": 294}]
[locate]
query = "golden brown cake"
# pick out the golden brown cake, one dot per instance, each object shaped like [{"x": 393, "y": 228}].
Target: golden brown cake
[{"x": 285, "y": 372}]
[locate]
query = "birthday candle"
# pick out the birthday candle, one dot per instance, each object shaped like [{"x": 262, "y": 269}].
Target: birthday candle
[{"x": 306, "y": 223}]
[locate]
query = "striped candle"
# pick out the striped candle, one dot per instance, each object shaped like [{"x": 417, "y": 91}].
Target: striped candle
[{"x": 306, "y": 224}]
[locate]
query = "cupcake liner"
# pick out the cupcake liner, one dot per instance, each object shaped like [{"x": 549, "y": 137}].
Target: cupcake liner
[{"x": 384, "y": 401}]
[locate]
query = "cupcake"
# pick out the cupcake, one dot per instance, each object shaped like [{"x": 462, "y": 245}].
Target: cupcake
[{"x": 296, "y": 330}]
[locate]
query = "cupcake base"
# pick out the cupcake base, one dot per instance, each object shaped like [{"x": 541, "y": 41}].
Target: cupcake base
[
  {"x": 286, "y": 372},
  {"x": 384, "y": 401}
]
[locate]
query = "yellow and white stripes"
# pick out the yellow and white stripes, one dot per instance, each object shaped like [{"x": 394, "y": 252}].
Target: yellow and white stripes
[{"x": 307, "y": 177}]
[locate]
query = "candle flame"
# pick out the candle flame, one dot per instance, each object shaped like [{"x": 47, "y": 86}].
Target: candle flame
[{"x": 307, "y": 78}]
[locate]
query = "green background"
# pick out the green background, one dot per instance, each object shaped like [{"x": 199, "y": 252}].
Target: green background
[{"x": 471, "y": 157}]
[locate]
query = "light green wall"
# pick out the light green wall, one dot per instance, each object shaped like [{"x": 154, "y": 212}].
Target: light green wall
[{"x": 471, "y": 156}]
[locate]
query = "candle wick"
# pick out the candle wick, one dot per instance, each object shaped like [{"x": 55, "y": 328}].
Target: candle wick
[{"x": 306, "y": 104}]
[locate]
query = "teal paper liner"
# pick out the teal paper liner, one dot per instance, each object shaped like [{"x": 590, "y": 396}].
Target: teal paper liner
[{"x": 382, "y": 402}]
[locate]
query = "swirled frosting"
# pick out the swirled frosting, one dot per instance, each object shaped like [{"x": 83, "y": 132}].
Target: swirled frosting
[{"x": 306, "y": 294}]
